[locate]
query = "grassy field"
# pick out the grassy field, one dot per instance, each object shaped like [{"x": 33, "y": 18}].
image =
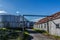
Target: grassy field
[{"x": 7, "y": 34}]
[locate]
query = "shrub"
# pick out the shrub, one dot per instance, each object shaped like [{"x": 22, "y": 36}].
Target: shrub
[
  {"x": 41, "y": 31},
  {"x": 25, "y": 36},
  {"x": 56, "y": 36}
]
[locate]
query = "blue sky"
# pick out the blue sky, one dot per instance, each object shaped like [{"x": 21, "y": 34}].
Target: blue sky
[
  {"x": 31, "y": 6},
  {"x": 39, "y": 7}
]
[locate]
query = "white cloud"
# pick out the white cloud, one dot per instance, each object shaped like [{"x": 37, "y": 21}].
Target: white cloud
[
  {"x": 2, "y": 11},
  {"x": 36, "y": 20},
  {"x": 17, "y": 12}
]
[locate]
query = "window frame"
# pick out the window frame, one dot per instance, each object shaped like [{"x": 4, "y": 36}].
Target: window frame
[
  {"x": 44, "y": 25},
  {"x": 58, "y": 25}
]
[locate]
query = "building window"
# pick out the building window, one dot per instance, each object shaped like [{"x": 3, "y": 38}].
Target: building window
[
  {"x": 57, "y": 25},
  {"x": 41, "y": 25},
  {"x": 38, "y": 26},
  {"x": 45, "y": 25}
]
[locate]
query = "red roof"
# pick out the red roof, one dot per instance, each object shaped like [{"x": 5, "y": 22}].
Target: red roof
[{"x": 52, "y": 17}]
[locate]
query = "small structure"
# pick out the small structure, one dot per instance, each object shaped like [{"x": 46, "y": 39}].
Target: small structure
[
  {"x": 11, "y": 21},
  {"x": 50, "y": 24}
]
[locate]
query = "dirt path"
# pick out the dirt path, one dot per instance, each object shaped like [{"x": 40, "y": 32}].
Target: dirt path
[{"x": 37, "y": 36}]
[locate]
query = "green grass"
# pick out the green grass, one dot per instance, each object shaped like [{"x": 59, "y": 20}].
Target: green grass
[
  {"x": 36, "y": 29},
  {"x": 40, "y": 31},
  {"x": 26, "y": 33},
  {"x": 4, "y": 32},
  {"x": 19, "y": 38},
  {"x": 46, "y": 33},
  {"x": 55, "y": 36},
  {"x": 3, "y": 28}
]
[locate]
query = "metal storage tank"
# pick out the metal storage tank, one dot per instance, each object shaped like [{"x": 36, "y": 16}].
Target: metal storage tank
[{"x": 12, "y": 21}]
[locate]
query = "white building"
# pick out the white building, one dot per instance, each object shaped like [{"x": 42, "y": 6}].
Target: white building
[
  {"x": 13, "y": 21},
  {"x": 50, "y": 24}
]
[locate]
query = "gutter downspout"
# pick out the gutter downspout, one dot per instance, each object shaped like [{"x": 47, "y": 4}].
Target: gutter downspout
[{"x": 47, "y": 25}]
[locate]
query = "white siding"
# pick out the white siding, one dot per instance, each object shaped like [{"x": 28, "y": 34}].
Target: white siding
[
  {"x": 52, "y": 27},
  {"x": 14, "y": 21},
  {"x": 45, "y": 26},
  {"x": 35, "y": 26},
  {"x": 42, "y": 26}
]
